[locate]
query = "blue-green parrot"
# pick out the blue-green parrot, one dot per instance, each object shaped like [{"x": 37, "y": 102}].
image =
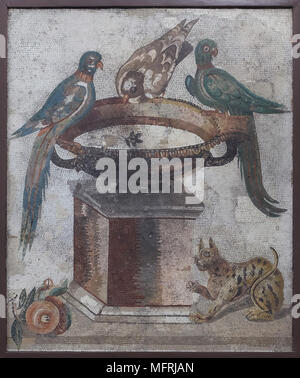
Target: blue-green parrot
[
  {"x": 218, "y": 89},
  {"x": 70, "y": 101}
]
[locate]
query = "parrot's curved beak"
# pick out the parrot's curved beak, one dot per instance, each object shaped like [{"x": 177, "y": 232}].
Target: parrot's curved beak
[
  {"x": 214, "y": 51},
  {"x": 100, "y": 65}
]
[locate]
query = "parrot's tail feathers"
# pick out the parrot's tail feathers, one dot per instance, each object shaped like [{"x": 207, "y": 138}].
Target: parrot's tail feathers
[
  {"x": 271, "y": 109},
  {"x": 250, "y": 167},
  {"x": 23, "y": 131},
  {"x": 33, "y": 198},
  {"x": 263, "y": 191},
  {"x": 30, "y": 127},
  {"x": 37, "y": 175}
]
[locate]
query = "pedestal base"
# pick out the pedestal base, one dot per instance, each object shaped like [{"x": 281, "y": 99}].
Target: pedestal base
[{"x": 97, "y": 311}]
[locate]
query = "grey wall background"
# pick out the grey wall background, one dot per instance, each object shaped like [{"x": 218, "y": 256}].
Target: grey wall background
[{"x": 254, "y": 46}]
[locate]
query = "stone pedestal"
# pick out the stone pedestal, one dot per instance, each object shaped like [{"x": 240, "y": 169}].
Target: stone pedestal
[{"x": 133, "y": 253}]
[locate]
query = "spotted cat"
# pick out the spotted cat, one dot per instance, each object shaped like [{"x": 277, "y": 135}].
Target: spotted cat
[{"x": 231, "y": 281}]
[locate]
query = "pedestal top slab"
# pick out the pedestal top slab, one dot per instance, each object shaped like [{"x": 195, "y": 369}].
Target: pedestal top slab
[{"x": 140, "y": 205}]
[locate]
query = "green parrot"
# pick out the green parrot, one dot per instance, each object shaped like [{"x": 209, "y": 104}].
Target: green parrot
[{"x": 217, "y": 89}]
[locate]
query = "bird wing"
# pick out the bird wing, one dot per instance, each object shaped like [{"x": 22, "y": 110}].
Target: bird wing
[
  {"x": 185, "y": 50},
  {"x": 173, "y": 46},
  {"x": 227, "y": 91},
  {"x": 190, "y": 85},
  {"x": 65, "y": 100},
  {"x": 179, "y": 32}
]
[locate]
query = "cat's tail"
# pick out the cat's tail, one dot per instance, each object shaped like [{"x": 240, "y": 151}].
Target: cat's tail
[{"x": 263, "y": 277}]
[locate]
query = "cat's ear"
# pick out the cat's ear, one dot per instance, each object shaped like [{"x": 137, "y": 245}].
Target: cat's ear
[
  {"x": 201, "y": 244},
  {"x": 212, "y": 244}
]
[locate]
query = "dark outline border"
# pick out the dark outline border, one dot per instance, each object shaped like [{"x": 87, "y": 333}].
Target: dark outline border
[{"x": 4, "y": 5}]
